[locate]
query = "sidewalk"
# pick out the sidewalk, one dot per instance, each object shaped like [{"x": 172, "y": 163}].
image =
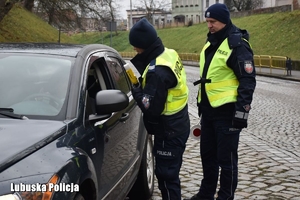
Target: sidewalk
[{"x": 278, "y": 73}]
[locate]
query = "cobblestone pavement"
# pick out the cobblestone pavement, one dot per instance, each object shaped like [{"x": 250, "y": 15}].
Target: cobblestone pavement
[{"x": 269, "y": 150}]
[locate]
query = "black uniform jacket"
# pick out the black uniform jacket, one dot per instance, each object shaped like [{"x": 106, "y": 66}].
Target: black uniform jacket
[
  {"x": 238, "y": 61},
  {"x": 152, "y": 98}
]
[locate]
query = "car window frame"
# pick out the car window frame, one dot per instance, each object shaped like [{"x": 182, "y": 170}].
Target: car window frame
[{"x": 112, "y": 58}]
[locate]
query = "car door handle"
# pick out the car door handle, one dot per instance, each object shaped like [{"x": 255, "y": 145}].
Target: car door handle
[{"x": 124, "y": 117}]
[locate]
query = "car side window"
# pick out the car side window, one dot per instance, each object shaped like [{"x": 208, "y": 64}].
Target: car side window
[
  {"x": 104, "y": 74},
  {"x": 118, "y": 74},
  {"x": 92, "y": 87}
]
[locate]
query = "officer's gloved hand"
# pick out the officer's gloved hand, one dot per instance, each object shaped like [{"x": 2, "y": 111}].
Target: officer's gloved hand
[
  {"x": 136, "y": 91},
  {"x": 137, "y": 85},
  {"x": 239, "y": 123},
  {"x": 240, "y": 120},
  {"x": 140, "y": 79}
]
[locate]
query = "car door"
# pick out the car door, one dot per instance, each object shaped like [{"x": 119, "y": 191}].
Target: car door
[{"x": 117, "y": 136}]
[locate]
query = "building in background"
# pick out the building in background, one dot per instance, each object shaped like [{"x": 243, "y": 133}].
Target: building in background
[
  {"x": 188, "y": 12},
  {"x": 191, "y": 11},
  {"x": 274, "y": 3},
  {"x": 158, "y": 17}
]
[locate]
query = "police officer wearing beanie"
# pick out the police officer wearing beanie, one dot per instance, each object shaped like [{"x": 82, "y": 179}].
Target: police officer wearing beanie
[
  {"x": 226, "y": 86},
  {"x": 163, "y": 98}
]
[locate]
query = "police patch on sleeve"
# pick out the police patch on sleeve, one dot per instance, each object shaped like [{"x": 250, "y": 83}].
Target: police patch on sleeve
[
  {"x": 146, "y": 101},
  {"x": 248, "y": 66}
]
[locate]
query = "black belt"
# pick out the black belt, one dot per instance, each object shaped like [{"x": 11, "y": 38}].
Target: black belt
[{"x": 202, "y": 80}]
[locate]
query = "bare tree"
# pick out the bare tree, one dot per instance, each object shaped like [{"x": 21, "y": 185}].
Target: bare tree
[
  {"x": 111, "y": 9},
  {"x": 5, "y": 6},
  {"x": 241, "y": 5},
  {"x": 28, "y": 4},
  {"x": 153, "y": 6},
  {"x": 58, "y": 13},
  {"x": 68, "y": 14},
  {"x": 3, "y": 10}
]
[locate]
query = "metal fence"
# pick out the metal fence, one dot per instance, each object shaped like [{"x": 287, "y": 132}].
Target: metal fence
[
  {"x": 260, "y": 61},
  {"x": 270, "y": 62}
]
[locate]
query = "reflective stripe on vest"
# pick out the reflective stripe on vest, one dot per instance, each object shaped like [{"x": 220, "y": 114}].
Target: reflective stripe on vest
[
  {"x": 178, "y": 96},
  {"x": 224, "y": 84}
]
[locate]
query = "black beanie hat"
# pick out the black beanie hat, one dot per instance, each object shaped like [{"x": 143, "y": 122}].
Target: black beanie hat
[
  {"x": 142, "y": 34},
  {"x": 219, "y": 12}
]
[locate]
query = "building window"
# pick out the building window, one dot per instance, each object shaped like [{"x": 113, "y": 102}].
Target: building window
[
  {"x": 217, "y": 1},
  {"x": 207, "y": 3},
  {"x": 176, "y": 3},
  {"x": 181, "y": 3}
]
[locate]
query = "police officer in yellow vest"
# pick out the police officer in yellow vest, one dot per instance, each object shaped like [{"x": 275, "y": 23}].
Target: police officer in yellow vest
[
  {"x": 163, "y": 98},
  {"x": 225, "y": 94}
]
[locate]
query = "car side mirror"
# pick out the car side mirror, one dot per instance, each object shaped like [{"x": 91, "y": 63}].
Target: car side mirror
[{"x": 107, "y": 102}]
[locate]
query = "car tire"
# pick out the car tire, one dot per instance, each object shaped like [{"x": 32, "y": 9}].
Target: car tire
[
  {"x": 79, "y": 196},
  {"x": 144, "y": 185}
]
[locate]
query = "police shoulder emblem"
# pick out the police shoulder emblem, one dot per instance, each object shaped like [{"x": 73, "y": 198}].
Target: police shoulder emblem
[
  {"x": 151, "y": 68},
  {"x": 146, "y": 101},
  {"x": 248, "y": 66}
]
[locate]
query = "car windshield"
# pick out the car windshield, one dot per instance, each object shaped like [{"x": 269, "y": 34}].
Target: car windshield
[{"x": 33, "y": 85}]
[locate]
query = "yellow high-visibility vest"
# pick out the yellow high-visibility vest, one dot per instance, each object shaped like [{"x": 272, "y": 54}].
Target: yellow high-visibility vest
[
  {"x": 223, "y": 86},
  {"x": 178, "y": 96}
]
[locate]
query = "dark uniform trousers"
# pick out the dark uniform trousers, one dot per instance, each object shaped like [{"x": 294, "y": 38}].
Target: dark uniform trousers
[
  {"x": 168, "y": 160},
  {"x": 218, "y": 147}
]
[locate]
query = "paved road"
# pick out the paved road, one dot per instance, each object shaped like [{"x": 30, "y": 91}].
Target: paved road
[{"x": 269, "y": 150}]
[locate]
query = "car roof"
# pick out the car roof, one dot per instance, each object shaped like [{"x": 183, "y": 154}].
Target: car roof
[{"x": 51, "y": 48}]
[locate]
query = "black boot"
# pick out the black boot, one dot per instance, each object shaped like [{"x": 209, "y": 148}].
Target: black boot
[{"x": 195, "y": 197}]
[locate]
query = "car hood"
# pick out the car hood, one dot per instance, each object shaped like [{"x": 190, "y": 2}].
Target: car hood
[{"x": 19, "y": 138}]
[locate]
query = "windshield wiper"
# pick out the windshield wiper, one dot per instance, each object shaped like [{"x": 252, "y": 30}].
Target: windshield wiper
[{"x": 9, "y": 112}]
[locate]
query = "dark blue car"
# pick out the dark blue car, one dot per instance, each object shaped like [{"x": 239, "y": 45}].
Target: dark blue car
[{"x": 69, "y": 126}]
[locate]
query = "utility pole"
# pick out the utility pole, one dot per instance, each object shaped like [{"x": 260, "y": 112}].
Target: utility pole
[
  {"x": 111, "y": 33},
  {"x": 152, "y": 13},
  {"x": 130, "y": 20},
  {"x": 59, "y": 30}
]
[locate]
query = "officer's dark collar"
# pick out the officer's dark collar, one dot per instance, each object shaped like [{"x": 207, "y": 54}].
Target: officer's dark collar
[
  {"x": 141, "y": 61},
  {"x": 219, "y": 36}
]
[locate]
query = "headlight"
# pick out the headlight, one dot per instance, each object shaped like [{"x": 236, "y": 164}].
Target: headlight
[
  {"x": 23, "y": 196},
  {"x": 35, "y": 193},
  {"x": 10, "y": 197}
]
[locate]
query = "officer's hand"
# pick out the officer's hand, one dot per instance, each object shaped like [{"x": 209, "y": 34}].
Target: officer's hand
[
  {"x": 240, "y": 117},
  {"x": 137, "y": 85},
  {"x": 140, "y": 79},
  {"x": 199, "y": 110},
  {"x": 239, "y": 123},
  {"x": 136, "y": 91}
]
